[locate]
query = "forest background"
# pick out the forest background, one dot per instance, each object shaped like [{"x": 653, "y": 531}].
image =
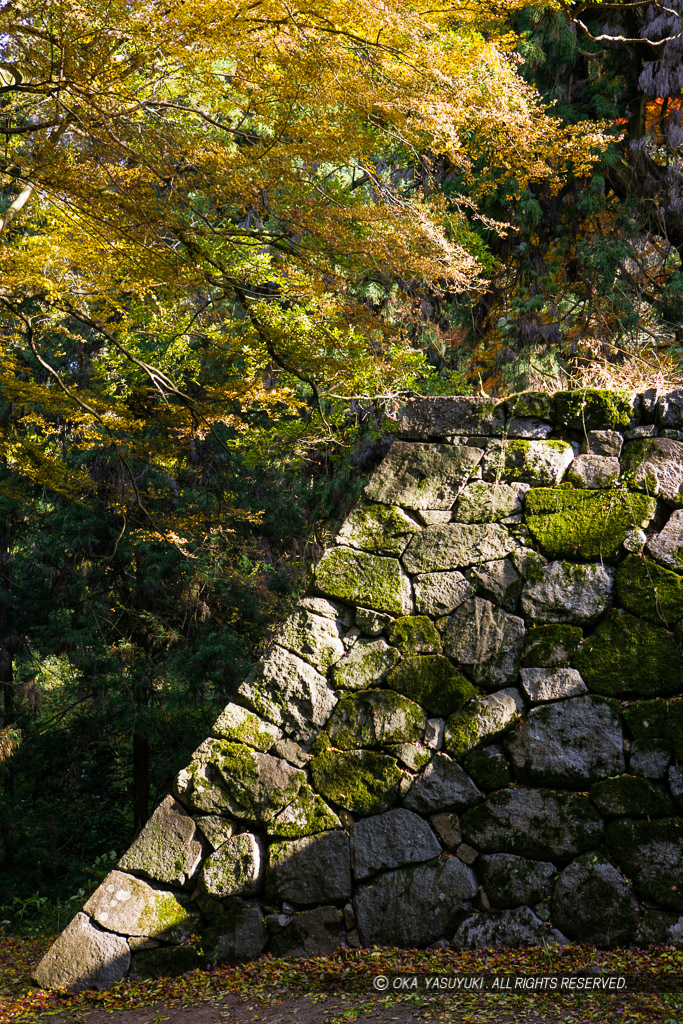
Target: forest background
[{"x": 232, "y": 237}]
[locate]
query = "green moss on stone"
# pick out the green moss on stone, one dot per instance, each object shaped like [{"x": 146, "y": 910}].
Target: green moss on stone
[
  {"x": 630, "y": 796},
  {"x": 372, "y": 718},
  {"x": 433, "y": 683},
  {"x": 360, "y": 781},
  {"x": 651, "y": 854},
  {"x": 378, "y": 528},
  {"x": 537, "y": 462},
  {"x": 414, "y": 634},
  {"x": 307, "y": 815},
  {"x": 551, "y": 646},
  {"x": 534, "y": 404},
  {"x": 163, "y": 916},
  {"x": 650, "y": 590},
  {"x": 628, "y": 657},
  {"x": 488, "y": 767},
  {"x": 590, "y": 524},
  {"x": 651, "y": 720},
  {"x": 363, "y": 579},
  {"x": 593, "y": 409}
]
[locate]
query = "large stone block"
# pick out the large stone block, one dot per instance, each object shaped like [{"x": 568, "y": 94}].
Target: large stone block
[
  {"x": 564, "y": 592},
  {"x": 83, "y": 957},
  {"x": 667, "y": 547},
  {"x": 655, "y": 465},
  {"x": 590, "y": 525},
  {"x": 368, "y": 580},
  {"x": 315, "y": 638},
  {"x": 590, "y": 409},
  {"x": 511, "y": 928},
  {"x": 168, "y": 849},
  {"x": 487, "y": 641},
  {"x": 593, "y": 903},
  {"x": 438, "y": 593},
  {"x": 235, "y": 869},
  {"x": 456, "y": 545},
  {"x": 511, "y": 881},
  {"x": 647, "y": 589},
  {"x": 481, "y": 720},
  {"x": 312, "y": 933},
  {"x": 651, "y": 854},
  {"x": 372, "y": 718},
  {"x": 237, "y": 933},
  {"x": 426, "y": 418},
  {"x": 316, "y": 869},
  {"x": 482, "y": 502},
  {"x": 432, "y": 682},
  {"x": 377, "y": 528},
  {"x": 441, "y": 784},
  {"x": 360, "y": 781},
  {"x": 531, "y": 462},
  {"x": 391, "y": 840},
  {"x": 423, "y": 476},
  {"x": 129, "y": 906},
  {"x": 290, "y": 693}
]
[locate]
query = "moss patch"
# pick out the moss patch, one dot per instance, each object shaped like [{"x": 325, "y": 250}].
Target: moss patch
[
  {"x": 649, "y": 720},
  {"x": 590, "y": 524},
  {"x": 628, "y": 657},
  {"x": 375, "y": 717},
  {"x": 360, "y": 578},
  {"x": 414, "y": 634},
  {"x": 360, "y": 781},
  {"x": 536, "y": 404},
  {"x": 593, "y": 409},
  {"x": 533, "y": 462},
  {"x": 630, "y": 796},
  {"x": 551, "y": 646},
  {"x": 378, "y": 528},
  {"x": 651, "y": 853},
  {"x": 433, "y": 683},
  {"x": 488, "y": 767},
  {"x": 307, "y": 815},
  {"x": 650, "y": 590}
]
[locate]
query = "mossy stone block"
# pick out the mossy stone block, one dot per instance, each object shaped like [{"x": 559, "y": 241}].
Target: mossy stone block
[
  {"x": 480, "y": 720},
  {"x": 588, "y": 524},
  {"x": 361, "y": 781},
  {"x": 373, "y": 718},
  {"x": 650, "y": 590},
  {"x": 433, "y": 683},
  {"x": 535, "y": 404},
  {"x": 307, "y": 815},
  {"x": 551, "y": 646},
  {"x": 630, "y": 796},
  {"x": 629, "y": 657},
  {"x": 414, "y": 634},
  {"x": 651, "y": 854},
  {"x": 369, "y": 580},
  {"x": 657, "y": 720},
  {"x": 531, "y": 462},
  {"x": 378, "y": 528},
  {"x": 488, "y": 767},
  {"x": 595, "y": 409}
]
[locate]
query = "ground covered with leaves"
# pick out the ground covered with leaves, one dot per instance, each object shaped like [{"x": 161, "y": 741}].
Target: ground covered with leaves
[{"x": 343, "y": 987}]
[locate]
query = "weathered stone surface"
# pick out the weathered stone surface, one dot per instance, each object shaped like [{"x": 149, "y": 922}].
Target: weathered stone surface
[
  {"x": 498, "y": 581},
  {"x": 369, "y": 580},
  {"x": 529, "y": 428},
  {"x": 391, "y": 840},
  {"x": 651, "y": 854},
  {"x": 647, "y": 589},
  {"x": 241, "y": 726},
  {"x": 83, "y": 957},
  {"x": 481, "y": 720},
  {"x": 566, "y": 592},
  {"x": 603, "y": 442},
  {"x": 650, "y": 759},
  {"x": 360, "y": 781},
  {"x": 313, "y": 933},
  {"x": 441, "y": 784},
  {"x": 215, "y": 828},
  {"x": 374, "y": 718},
  {"x": 667, "y": 547},
  {"x": 380, "y": 529},
  {"x": 234, "y": 869},
  {"x": 542, "y": 684},
  {"x": 438, "y": 593},
  {"x": 538, "y": 404},
  {"x": 423, "y": 476},
  {"x": 534, "y": 823},
  {"x": 568, "y": 743},
  {"x": 675, "y": 775},
  {"x": 129, "y": 906},
  {"x": 628, "y": 657},
  {"x": 456, "y": 545},
  {"x": 239, "y": 933},
  {"x": 670, "y": 410},
  {"x": 414, "y": 634},
  {"x": 291, "y": 751},
  {"x": 316, "y": 869},
  {"x": 488, "y": 767},
  {"x": 433, "y": 683},
  {"x": 593, "y": 903},
  {"x": 168, "y": 849},
  {"x": 512, "y": 928},
  {"x": 371, "y": 622},
  {"x": 434, "y": 516},
  {"x": 365, "y": 665},
  {"x": 659, "y": 928},
  {"x": 655, "y": 465},
  {"x": 657, "y": 721},
  {"x": 511, "y": 881},
  {"x": 307, "y": 815},
  {"x": 315, "y": 638},
  {"x": 551, "y": 646},
  {"x": 532, "y": 462},
  {"x": 590, "y": 525},
  {"x": 631, "y": 796},
  {"x": 486, "y": 640},
  {"x": 434, "y": 730},
  {"x": 290, "y": 693},
  {"x": 593, "y": 409},
  {"x": 593, "y": 471},
  {"x": 482, "y": 502},
  {"x": 413, "y": 755},
  {"x": 414, "y": 906},
  {"x": 439, "y": 417},
  {"x": 447, "y": 827}
]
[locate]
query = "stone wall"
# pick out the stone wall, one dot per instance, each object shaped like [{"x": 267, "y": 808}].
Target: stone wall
[{"x": 470, "y": 732}]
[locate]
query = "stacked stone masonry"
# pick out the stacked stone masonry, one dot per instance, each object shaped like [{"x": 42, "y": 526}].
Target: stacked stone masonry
[{"x": 471, "y": 731}]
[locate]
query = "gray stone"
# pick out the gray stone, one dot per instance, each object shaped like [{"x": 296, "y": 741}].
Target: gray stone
[
  {"x": 307, "y": 815},
  {"x": 481, "y": 720},
  {"x": 532, "y": 462},
  {"x": 129, "y": 906},
  {"x": 487, "y": 640},
  {"x": 372, "y": 622},
  {"x": 512, "y": 928},
  {"x": 650, "y": 760},
  {"x": 290, "y": 693},
  {"x": 317, "y": 932},
  {"x": 636, "y": 433},
  {"x": 498, "y": 581},
  {"x": 422, "y": 476},
  {"x": 659, "y": 928},
  {"x": 315, "y": 638},
  {"x": 593, "y": 471},
  {"x": 241, "y": 726},
  {"x": 168, "y": 849},
  {"x": 237, "y": 934},
  {"x": 529, "y": 428},
  {"x": 360, "y": 781},
  {"x": 374, "y": 718},
  {"x": 455, "y": 546},
  {"x": 291, "y": 752},
  {"x": 380, "y": 529},
  {"x": 365, "y": 665},
  {"x": 650, "y": 853},
  {"x": 534, "y": 823},
  {"x": 511, "y": 881},
  {"x": 489, "y": 502},
  {"x": 83, "y": 957},
  {"x": 655, "y": 465},
  {"x": 435, "y": 417},
  {"x": 675, "y": 435},
  {"x": 434, "y": 731},
  {"x": 372, "y": 581},
  {"x": 315, "y": 869},
  {"x": 416, "y": 905},
  {"x": 467, "y": 854},
  {"x": 438, "y": 593},
  {"x": 234, "y": 869},
  {"x": 441, "y": 784},
  {"x": 670, "y": 410},
  {"x": 391, "y": 840},
  {"x": 216, "y": 829},
  {"x": 566, "y": 592},
  {"x": 543, "y": 684},
  {"x": 568, "y": 743},
  {"x": 676, "y": 784},
  {"x": 413, "y": 755},
  {"x": 635, "y": 541},
  {"x": 330, "y": 609},
  {"x": 447, "y": 827},
  {"x": 593, "y": 903},
  {"x": 667, "y": 547},
  {"x": 434, "y": 516},
  {"x": 603, "y": 442}
]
